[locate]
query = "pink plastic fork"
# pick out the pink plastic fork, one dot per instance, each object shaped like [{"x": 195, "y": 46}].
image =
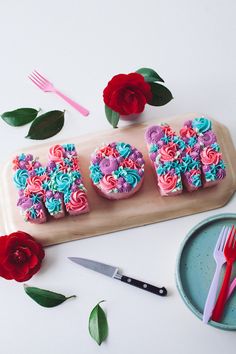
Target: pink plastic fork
[{"x": 46, "y": 86}]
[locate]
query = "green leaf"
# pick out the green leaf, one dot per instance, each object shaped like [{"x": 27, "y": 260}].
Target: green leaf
[
  {"x": 46, "y": 125},
  {"x": 149, "y": 75},
  {"x": 161, "y": 95},
  {"x": 45, "y": 298},
  {"x": 98, "y": 326},
  {"x": 20, "y": 116},
  {"x": 112, "y": 116}
]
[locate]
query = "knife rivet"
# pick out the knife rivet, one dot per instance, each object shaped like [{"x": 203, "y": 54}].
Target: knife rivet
[
  {"x": 129, "y": 280},
  {"x": 145, "y": 286}
]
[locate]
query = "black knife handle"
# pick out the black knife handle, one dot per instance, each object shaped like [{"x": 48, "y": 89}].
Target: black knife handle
[{"x": 145, "y": 286}]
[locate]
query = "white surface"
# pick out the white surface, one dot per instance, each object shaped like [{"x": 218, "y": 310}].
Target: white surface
[{"x": 80, "y": 45}]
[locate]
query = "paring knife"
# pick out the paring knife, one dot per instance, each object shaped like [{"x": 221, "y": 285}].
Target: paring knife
[{"x": 113, "y": 272}]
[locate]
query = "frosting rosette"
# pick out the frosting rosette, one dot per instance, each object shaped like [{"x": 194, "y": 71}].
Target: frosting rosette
[
  {"x": 187, "y": 132},
  {"x": 167, "y": 182},
  {"x": 209, "y": 156},
  {"x": 207, "y": 139},
  {"x": 108, "y": 183},
  {"x": 34, "y": 184},
  {"x": 56, "y": 153},
  {"x": 153, "y": 134},
  {"x": 201, "y": 125},
  {"x": 61, "y": 182},
  {"x": 168, "y": 152},
  {"x": 116, "y": 169},
  {"x": 78, "y": 201},
  {"x": 20, "y": 178}
]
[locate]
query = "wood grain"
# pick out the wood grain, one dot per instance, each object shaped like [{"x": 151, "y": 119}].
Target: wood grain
[{"x": 146, "y": 207}]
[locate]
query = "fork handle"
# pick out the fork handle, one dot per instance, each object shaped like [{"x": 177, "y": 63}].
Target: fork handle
[
  {"x": 219, "y": 307},
  {"x": 211, "y": 297},
  {"x": 74, "y": 104}
]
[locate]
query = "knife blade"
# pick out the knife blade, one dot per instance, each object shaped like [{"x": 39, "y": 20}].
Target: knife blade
[{"x": 113, "y": 272}]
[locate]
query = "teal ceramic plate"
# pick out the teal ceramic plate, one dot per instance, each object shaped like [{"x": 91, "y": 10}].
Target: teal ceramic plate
[{"x": 196, "y": 266}]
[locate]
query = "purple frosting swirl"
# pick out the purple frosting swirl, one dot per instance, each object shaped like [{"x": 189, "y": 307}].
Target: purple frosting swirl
[
  {"x": 206, "y": 168},
  {"x": 127, "y": 187},
  {"x": 188, "y": 123},
  {"x": 153, "y": 134},
  {"x": 220, "y": 173},
  {"x": 153, "y": 156},
  {"x": 207, "y": 138},
  {"x": 109, "y": 165},
  {"x": 96, "y": 159},
  {"x": 24, "y": 203}
]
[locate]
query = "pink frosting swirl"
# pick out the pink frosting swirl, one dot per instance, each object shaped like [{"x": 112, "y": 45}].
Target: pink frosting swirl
[
  {"x": 129, "y": 163},
  {"x": 56, "y": 153},
  {"x": 167, "y": 130},
  {"x": 108, "y": 183},
  {"x": 109, "y": 151},
  {"x": 78, "y": 201},
  {"x": 34, "y": 184},
  {"x": 209, "y": 156},
  {"x": 168, "y": 152},
  {"x": 167, "y": 182},
  {"x": 187, "y": 132}
]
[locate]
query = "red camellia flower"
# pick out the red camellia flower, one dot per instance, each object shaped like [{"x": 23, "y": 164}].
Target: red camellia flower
[
  {"x": 20, "y": 256},
  {"x": 127, "y": 94}
]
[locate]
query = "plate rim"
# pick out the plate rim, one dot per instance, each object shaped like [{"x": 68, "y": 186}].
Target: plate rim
[{"x": 177, "y": 269}]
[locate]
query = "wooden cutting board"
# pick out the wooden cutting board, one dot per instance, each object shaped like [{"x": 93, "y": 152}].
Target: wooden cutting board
[{"x": 145, "y": 207}]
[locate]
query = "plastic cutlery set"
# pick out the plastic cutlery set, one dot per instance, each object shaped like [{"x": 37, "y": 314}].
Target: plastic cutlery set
[{"x": 224, "y": 252}]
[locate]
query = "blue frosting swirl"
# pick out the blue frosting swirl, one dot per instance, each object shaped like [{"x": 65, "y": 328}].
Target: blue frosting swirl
[
  {"x": 20, "y": 178},
  {"x": 166, "y": 139},
  {"x": 192, "y": 141},
  {"x": 68, "y": 162},
  {"x": 22, "y": 157},
  {"x": 67, "y": 196},
  {"x": 196, "y": 180},
  {"x": 35, "y": 198},
  {"x": 40, "y": 171},
  {"x": 120, "y": 172},
  {"x": 153, "y": 148},
  {"x": 210, "y": 176},
  {"x": 75, "y": 175},
  {"x": 124, "y": 149},
  {"x": 181, "y": 144},
  {"x": 132, "y": 177},
  {"x": 95, "y": 173},
  {"x": 216, "y": 147},
  {"x": 46, "y": 185},
  {"x": 53, "y": 205},
  {"x": 69, "y": 147},
  {"x": 62, "y": 182},
  {"x": 201, "y": 125},
  {"x": 33, "y": 213}
]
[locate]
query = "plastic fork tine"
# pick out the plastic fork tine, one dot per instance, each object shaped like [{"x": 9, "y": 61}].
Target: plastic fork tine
[
  {"x": 230, "y": 238},
  {"x": 38, "y": 85},
  {"x": 39, "y": 77},
  {"x": 40, "y": 81},
  {"x": 220, "y": 238},
  {"x": 43, "y": 78},
  {"x": 224, "y": 237}
]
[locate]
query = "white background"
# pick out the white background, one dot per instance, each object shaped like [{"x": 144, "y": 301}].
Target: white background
[{"x": 80, "y": 45}]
